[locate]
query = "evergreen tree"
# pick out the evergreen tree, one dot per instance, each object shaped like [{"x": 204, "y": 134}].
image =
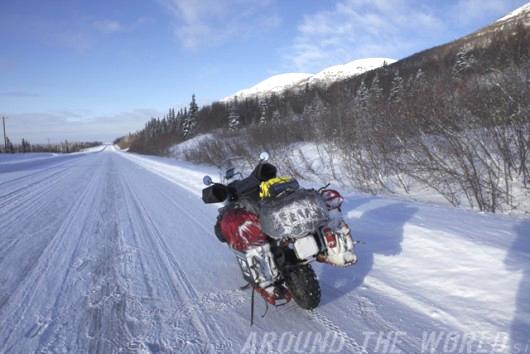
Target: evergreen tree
[
  {"x": 464, "y": 62},
  {"x": 190, "y": 119},
  {"x": 233, "y": 116},
  {"x": 193, "y": 107},
  {"x": 396, "y": 88},
  {"x": 26, "y": 146},
  {"x": 314, "y": 108},
  {"x": 420, "y": 75},
  {"x": 361, "y": 98},
  {"x": 263, "y": 112},
  {"x": 276, "y": 115},
  {"x": 376, "y": 92},
  {"x": 9, "y": 146}
]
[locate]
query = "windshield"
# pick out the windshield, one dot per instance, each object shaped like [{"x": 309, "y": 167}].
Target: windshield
[{"x": 231, "y": 169}]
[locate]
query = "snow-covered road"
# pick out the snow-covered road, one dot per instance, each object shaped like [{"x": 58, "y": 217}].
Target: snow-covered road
[{"x": 108, "y": 252}]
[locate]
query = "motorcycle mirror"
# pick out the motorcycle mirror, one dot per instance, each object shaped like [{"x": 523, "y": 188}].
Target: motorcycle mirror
[
  {"x": 231, "y": 172},
  {"x": 264, "y": 156},
  {"x": 207, "y": 180}
]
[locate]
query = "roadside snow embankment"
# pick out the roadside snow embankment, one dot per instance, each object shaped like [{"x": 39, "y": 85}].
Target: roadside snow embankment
[{"x": 184, "y": 174}]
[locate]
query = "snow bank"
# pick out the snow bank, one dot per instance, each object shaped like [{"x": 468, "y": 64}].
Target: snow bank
[
  {"x": 185, "y": 174},
  {"x": 190, "y": 144}
]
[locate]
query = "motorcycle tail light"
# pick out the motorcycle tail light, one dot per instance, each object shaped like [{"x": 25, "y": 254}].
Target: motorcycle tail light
[
  {"x": 331, "y": 241},
  {"x": 332, "y": 198}
]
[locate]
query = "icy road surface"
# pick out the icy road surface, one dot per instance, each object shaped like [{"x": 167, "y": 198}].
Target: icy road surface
[{"x": 108, "y": 252}]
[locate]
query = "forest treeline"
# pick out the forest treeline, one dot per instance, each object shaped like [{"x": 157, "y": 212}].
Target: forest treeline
[
  {"x": 62, "y": 147},
  {"x": 455, "y": 118}
]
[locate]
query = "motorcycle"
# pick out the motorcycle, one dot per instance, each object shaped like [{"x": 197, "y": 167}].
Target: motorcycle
[{"x": 276, "y": 229}]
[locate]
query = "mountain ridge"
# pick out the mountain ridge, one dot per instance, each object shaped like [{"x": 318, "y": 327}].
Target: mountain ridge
[{"x": 280, "y": 83}]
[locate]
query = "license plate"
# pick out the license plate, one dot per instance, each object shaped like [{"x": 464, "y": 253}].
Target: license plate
[{"x": 305, "y": 247}]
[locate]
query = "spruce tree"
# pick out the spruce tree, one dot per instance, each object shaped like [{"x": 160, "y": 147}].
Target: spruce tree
[
  {"x": 263, "y": 112},
  {"x": 233, "y": 116},
  {"x": 396, "y": 88},
  {"x": 190, "y": 119},
  {"x": 464, "y": 62}
]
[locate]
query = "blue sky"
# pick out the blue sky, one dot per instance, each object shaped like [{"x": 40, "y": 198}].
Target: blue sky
[{"x": 86, "y": 70}]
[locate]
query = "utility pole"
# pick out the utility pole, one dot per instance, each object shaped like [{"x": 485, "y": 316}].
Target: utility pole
[{"x": 5, "y": 137}]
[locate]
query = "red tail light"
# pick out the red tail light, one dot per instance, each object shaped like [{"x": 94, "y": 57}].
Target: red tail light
[
  {"x": 332, "y": 198},
  {"x": 330, "y": 238}
]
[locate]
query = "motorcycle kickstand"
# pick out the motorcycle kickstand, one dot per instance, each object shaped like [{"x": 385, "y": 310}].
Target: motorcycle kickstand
[
  {"x": 252, "y": 307},
  {"x": 266, "y": 309}
]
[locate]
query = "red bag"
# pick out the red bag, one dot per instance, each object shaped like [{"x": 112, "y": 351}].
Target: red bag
[{"x": 242, "y": 229}]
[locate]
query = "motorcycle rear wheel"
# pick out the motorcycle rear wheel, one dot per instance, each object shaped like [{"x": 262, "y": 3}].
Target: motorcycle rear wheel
[{"x": 303, "y": 284}]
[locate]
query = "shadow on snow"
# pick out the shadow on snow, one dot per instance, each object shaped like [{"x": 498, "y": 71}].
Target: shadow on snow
[
  {"x": 382, "y": 231},
  {"x": 518, "y": 259}
]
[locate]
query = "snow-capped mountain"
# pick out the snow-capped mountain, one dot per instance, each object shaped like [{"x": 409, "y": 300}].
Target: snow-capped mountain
[
  {"x": 345, "y": 71},
  {"x": 517, "y": 13},
  {"x": 279, "y": 83},
  {"x": 274, "y": 84},
  {"x": 506, "y": 24}
]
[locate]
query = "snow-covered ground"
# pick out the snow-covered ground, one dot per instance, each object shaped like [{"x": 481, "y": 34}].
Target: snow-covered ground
[
  {"x": 112, "y": 252},
  {"x": 179, "y": 150}
]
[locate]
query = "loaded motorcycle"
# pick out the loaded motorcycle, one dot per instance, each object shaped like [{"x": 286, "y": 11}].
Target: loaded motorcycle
[{"x": 276, "y": 229}]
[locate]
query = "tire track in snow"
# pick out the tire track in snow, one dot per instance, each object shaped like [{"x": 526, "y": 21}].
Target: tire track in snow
[
  {"x": 140, "y": 227},
  {"x": 208, "y": 231},
  {"x": 28, "y": 230},
  {"x": 350, "y": 343},
  {"x": 109, "y": 324},
  {"x": 29, "y": 194},
  {"x": 371, "y": 316},
  {"x": 363, "y": 309},
  {"x": 42, "y": 170},
  {"x": 176, "y": 276},
  {"x": 30, "y": 287},
  {"x": 35, "y": 200},
  {"x": 93, "y": 299},
  {"x": 11, "y": 195}
]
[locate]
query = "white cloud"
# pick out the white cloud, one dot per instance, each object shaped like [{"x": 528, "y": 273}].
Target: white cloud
[
  {"x": 115, "y": 26},
  {"x": 354, "y": 29},
  {"x": 79, "y": 125},
  {"x": 210, "y": 22},
  {"x": 360, "y": 28},
  {"x": 107, "y": 26},
  {"x": 469, "y": 10}
]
